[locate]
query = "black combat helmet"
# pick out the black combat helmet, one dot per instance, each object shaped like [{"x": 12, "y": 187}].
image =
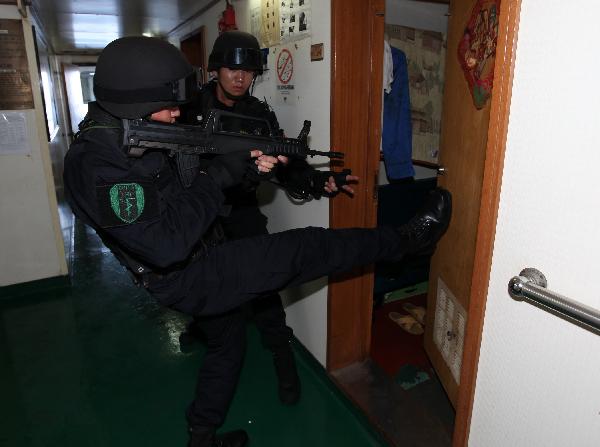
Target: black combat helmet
[
  {"x": 136, "y": 76},
  {"x": 236, "y": 49}
]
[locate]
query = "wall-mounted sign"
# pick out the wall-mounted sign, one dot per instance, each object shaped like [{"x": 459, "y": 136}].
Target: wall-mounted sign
[
  {"x": 284, "y": 63},
  {"x": 316, "y": 52},
  {"x": 15, "y": 84},
  {"x": 285, "y": 66}
]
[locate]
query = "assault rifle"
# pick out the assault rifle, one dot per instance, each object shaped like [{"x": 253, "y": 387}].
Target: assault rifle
[{"x": 214, "y": 137}]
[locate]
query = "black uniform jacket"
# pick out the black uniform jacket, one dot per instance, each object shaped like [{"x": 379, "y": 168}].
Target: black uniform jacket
[
  {"x": 137, "y": 204},
  {"x": 245, "y": 193}
]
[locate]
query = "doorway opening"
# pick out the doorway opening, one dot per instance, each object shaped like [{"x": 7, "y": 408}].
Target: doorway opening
[
  {"x": 78, "y": 83},
  {"x": 193, "y": 46},
  {"x": 412, "y": 399},
  {"x": 471, "y": 154}
]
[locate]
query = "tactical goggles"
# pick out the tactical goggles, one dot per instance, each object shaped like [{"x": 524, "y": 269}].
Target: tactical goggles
[
  {"x": 180, "y": 90},
  {"x": 239, "y": 58}
]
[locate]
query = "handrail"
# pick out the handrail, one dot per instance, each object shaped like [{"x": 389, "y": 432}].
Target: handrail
[{"x": 530, "y": 286}]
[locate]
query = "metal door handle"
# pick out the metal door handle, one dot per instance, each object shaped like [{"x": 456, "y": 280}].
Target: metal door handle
[{"x": 530, "y": 286}]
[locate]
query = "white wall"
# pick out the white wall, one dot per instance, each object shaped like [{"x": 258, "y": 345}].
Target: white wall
[
  {"x": 537, "y": 383},
  {"x": 306, "y": 307},
  {"x": 31, "y": 240}
]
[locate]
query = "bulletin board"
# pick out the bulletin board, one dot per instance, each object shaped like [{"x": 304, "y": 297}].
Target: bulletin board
[{"x": 15, "y": 83}]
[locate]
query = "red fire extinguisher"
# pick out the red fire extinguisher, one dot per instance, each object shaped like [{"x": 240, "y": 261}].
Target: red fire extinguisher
[{"x": 227, "y": 20}]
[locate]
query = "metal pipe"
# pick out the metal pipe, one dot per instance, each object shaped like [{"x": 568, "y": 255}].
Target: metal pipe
[{"x": 530, "y": 286}]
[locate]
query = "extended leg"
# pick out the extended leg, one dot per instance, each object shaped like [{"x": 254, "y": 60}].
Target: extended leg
[{"x": 239, "y": 271}]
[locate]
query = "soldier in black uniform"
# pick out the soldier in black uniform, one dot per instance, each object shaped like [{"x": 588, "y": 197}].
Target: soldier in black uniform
[
  {"x": 161, "y": 226},
  {"x": 235, "y": 61}
]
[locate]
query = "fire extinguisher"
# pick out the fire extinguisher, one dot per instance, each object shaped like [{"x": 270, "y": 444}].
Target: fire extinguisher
[{"x": 227, "y": 20}]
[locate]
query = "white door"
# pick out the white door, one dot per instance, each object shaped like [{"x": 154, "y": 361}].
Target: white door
[{"x": 538, "y": 381}]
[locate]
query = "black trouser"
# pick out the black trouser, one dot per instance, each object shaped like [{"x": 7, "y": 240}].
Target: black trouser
[
  {"x": 236, "y": 272},
  {"x": 239, "y": 271},
  {"x": 247, "y": 221},
  {"x": 226, "y": 334}
]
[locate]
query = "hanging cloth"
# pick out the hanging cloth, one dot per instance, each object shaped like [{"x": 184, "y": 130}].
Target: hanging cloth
[
  {"x": 388, "y": 67},
  {"x": 397, "y": 127}
]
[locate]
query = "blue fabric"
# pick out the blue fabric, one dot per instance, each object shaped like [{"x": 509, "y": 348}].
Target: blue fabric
[{"x": 397, "y": 127}]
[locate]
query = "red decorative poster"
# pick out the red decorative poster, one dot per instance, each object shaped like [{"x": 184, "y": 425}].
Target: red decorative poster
[{"x": 477, "y": 49}]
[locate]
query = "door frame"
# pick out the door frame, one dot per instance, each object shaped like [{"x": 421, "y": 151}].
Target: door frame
[{"x": 357, "y": 35}]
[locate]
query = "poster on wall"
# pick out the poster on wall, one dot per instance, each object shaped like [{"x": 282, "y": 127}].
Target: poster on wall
[
  {"x": 269, "y": 23},
  {"x": 425, "y": 55},
  {"x": 284, "y": 66},
  {"x": 255, "y": 22},
  {"x": 295, "y": 19},
  {"x": 14, "y": 138},
  {"x": 15, "y": 83},
  {"x": 477, "y": 50}
]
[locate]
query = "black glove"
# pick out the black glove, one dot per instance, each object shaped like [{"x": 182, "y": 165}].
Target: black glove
[
  {"x": 254, "y": 175},
  {"x": 229, "y": 169},
  {"x": 319, "y": 179}
]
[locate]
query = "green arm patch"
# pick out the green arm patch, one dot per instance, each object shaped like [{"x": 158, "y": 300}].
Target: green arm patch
[{"x": 126, "y": 203}]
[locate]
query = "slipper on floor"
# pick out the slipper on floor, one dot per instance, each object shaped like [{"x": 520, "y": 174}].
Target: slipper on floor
[
  {"x": 407, "y": 322},
  {"x": 417, "y": 312}
]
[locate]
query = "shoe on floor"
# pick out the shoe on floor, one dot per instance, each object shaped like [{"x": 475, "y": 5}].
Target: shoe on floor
[
  {"x": 417, "y": 312},
  {"x": 407, "y": 322}
]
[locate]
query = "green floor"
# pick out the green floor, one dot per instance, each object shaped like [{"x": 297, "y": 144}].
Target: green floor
[{"x": 98, "y": 363}]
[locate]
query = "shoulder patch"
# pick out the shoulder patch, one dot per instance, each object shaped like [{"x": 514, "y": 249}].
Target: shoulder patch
[{"x": 126, "y": 203}]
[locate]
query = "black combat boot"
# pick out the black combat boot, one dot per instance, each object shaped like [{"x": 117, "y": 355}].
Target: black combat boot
[
  {"x": 287, "y": 375},
  {"x": 421, "y": 234},
  {"x": 206, "y": 437}
]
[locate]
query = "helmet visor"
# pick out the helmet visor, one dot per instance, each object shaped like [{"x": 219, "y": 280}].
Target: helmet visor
[
  {"x": 177, "y": 91},
  {"x": 241, "y": 58}
]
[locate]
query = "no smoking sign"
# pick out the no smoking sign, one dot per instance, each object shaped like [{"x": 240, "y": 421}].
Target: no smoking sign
[{"x": 285, "y": 66}]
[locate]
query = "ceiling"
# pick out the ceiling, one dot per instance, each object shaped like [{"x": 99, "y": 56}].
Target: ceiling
[{"x": 87, "y": 26}]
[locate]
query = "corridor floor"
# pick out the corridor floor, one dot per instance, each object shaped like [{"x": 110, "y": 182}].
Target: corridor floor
[{"x": 98, "y": 364}]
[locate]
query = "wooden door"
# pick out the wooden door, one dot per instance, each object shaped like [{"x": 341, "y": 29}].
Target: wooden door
[{"x": 463, "y": 155}]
